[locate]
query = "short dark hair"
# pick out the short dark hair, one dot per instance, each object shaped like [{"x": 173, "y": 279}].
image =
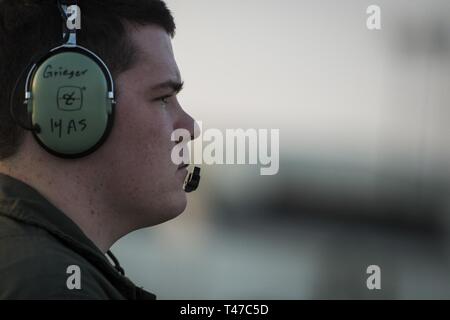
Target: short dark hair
[{"x": 28, "y": 27}]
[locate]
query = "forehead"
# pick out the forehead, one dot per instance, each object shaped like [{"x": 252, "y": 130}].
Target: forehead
[{"x": 154, "y": 56}]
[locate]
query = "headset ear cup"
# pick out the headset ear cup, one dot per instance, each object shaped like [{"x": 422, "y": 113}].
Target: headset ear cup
[{"x": 71, "y": 102}]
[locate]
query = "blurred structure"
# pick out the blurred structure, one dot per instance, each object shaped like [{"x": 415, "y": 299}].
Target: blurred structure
[{"x": 364, "y": 172}]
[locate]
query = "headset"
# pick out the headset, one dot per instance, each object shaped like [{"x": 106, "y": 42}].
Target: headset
[{"x": 70, "y": 99}]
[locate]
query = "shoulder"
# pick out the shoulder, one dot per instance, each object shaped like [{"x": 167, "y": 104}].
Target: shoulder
[{"x": 36, "y": 265}]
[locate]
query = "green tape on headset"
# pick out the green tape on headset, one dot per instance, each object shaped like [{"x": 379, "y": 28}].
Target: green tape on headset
[{"x": 71, "y": 101}]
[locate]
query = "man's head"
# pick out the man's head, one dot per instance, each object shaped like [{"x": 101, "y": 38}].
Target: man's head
[{"x": 131, "y": 175}]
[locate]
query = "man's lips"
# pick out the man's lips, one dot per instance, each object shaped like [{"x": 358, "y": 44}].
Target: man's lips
[{"x": 182, "y": 166}]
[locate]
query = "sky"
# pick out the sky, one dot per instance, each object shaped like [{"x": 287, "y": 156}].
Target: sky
[{"x": 314, "y": 71}]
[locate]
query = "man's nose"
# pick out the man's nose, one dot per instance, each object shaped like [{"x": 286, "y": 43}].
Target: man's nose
[{"x": 187, "y": 122}]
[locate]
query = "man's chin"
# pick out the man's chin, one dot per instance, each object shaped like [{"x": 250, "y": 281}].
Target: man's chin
[
  {"x": 178, "y": 205},
  {"x": 172, "y": 209}
]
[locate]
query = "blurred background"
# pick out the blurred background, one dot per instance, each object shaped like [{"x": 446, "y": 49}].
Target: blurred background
[{"x": 364, "y": 154}]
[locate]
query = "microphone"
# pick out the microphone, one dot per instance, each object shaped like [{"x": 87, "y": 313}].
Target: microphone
[{"x": 192, "y": 181}]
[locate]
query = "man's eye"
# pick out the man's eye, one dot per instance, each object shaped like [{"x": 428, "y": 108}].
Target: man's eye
[{"x": 164, "y": 100}]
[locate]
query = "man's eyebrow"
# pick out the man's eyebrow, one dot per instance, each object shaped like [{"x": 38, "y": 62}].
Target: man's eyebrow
[{"x": 176, "y": 86}]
